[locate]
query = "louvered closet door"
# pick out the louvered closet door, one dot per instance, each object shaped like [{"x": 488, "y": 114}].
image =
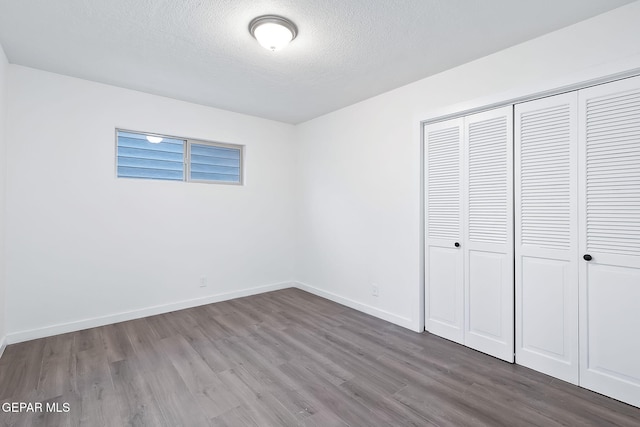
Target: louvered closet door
[
  {"x": 443, "y": 215},
  {"x": 488, "y": 244},
  {"x": 609, "y": 179},
  {"x": 547, "y": 236}
]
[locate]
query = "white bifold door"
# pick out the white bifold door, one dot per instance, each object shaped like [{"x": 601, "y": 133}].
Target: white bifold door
[
  {"x": 577, "y": 241},
  {"x": 444, "y": 262},
  {"x": 469, "y": 231},
  {"x": 609, "y": 239},
  {"x": 547, "y": 235}
]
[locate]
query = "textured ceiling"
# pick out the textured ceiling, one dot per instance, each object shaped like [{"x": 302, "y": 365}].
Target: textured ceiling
[{"x": 201, "y": 51}]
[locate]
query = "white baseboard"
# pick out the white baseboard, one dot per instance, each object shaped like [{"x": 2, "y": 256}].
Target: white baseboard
[
  {"x": 3, "y": 345},
  {"x": 63, "y": 328},
  {"x": 374, "y": 311},
  {"x": 94, "y": 322}
]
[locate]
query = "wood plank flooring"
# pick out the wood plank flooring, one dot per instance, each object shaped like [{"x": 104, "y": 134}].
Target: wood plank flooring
[{"x": 283, "y": 358}]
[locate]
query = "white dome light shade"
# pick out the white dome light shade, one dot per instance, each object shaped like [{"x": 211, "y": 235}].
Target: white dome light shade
[
  {"x": 273, "y": 32},
  {"x": 273, "y": 36},
  {"x": 154, "y": 139}
]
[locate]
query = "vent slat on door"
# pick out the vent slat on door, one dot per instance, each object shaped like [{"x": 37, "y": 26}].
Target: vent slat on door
[
  {"x": 488, "y": 181},
  {"x": 545, "y": 178},
  {"x": 613, "y": 199},
  {"x": 443, "y": 181}
]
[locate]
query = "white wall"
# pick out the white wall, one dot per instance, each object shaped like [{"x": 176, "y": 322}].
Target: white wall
[
  {"x": 4, "y": 65},
  {"x": 358, "y": 169},
  {"x": 86, "y": 248}
]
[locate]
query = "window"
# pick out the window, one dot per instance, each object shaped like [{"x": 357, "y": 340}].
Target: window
[
  {"x": 214, "y": 162},
  {"x": 140, "y": 158},
  {"x": 152, "y": 156}
]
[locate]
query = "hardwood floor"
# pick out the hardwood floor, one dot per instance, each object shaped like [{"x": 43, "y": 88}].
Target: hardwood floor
[{"x": 284, "y": 358}]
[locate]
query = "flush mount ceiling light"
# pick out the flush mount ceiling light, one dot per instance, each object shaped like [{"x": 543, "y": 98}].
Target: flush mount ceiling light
[
  {"x": 273, "y": 32},
  {"x": 154, "y": 139}
]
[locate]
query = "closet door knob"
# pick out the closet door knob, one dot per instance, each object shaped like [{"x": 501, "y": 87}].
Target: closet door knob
[
  {"x": 587, "y": 257},
  {"x": 456, "y": 244}
]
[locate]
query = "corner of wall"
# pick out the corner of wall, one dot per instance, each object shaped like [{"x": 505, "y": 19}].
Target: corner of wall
[
  {"x": 405, "y": 322},
  {"x": 4, "y": 63}
]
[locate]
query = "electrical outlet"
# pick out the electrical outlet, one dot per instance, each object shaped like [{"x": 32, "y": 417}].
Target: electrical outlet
[
  {"x": 374, "y": 290},
  {"x": 203, "y": 282}
]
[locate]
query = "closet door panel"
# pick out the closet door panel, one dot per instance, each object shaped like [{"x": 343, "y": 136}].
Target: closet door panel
[
  {"x": 488, "y": 245},
  {"x": 612, "y": 350},
  {"x": 444, "y": 262},
  {"x": 609, "y": 176},
  {"x": 546, "y": 236},
  {"x": 445, "y": 299},
  {"x": 485, "y": 294},
  {"x": 544, "y": 287}
]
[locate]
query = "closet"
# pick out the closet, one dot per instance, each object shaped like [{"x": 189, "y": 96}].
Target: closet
[
  {"x": 469, "y": 224},
  {"x": 575, "y": 239},
  {"x": 578, "y": 237}
]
